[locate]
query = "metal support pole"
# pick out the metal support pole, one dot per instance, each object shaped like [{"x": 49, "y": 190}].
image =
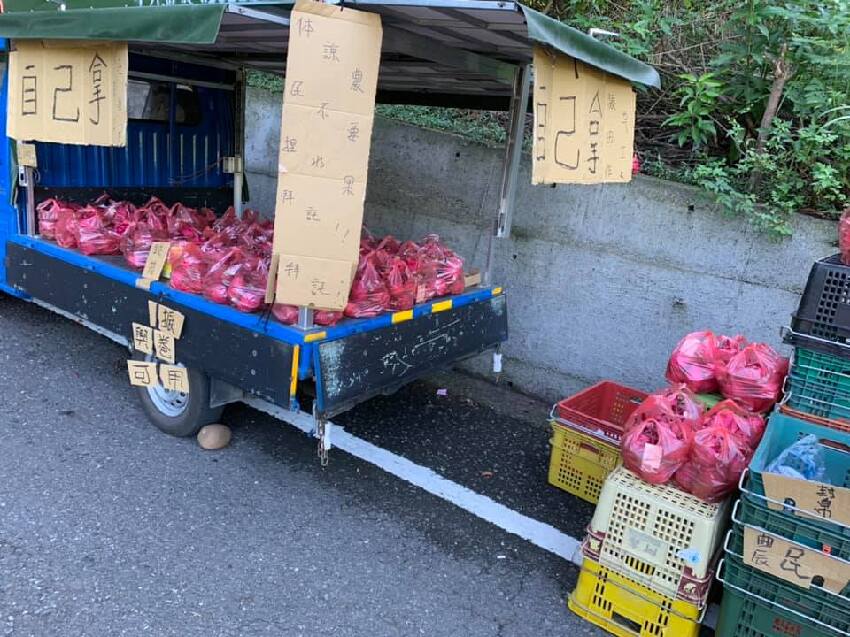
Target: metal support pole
[
  {"x": 239, "y": 143},
  {"x": 510, "y": 166},
  {"x": 237, "y": 186},
  {"x": 26, "y": 180},
  {"x": 305, "y": 318}
]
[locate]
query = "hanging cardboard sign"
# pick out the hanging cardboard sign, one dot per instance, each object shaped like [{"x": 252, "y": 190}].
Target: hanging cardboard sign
[
  {"x": 794, "y": 562},
  {"x": 326, "y": 129},
  {"x": 68, "y": 92},
  {"x": 584, "y": 123},
  {"x": 26, "y": 155}
]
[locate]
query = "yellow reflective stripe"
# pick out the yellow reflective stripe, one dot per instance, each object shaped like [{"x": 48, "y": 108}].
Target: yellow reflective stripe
[
  {"x": 404, "y": 315},
  {"x": 442, "y": 306},
  {"x": 497, "y": 291},
  {"x": 293, "y": 382},
  {"x": 314, "y": 336}
]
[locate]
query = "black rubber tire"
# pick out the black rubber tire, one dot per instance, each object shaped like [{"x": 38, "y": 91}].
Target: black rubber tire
[{"x": 197, "y": 414}]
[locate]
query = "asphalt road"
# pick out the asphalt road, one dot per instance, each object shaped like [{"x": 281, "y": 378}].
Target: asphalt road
[{"x": 108, "y": 527}]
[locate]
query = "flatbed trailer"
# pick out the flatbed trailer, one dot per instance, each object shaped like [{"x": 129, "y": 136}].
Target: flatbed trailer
[{"x": 200, "y": 52}]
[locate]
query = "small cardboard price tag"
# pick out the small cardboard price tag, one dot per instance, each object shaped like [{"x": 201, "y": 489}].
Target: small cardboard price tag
[
  {"x": 174, "y": 378},
  {"x": 26, "y": 155},
  {"x": 142, "y": 338},
  {"x": 152, "y": 313},
  {"x": 820, "y": 501},
  {"x": 142, "y": 373},
  {"x": 156, "y": 260}
]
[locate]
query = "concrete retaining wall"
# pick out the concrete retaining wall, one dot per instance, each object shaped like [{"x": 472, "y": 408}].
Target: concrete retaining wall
[{"x": 603, "y": 280}]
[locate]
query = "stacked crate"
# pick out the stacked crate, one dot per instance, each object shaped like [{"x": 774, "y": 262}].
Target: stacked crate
[
  {"x": 786, "y": 563},
  {"x": 648, "y": 559},
  {"x": 586, "y": 432}
]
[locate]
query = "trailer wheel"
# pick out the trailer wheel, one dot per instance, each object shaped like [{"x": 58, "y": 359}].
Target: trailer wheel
[{"x": 180, "y": 414}]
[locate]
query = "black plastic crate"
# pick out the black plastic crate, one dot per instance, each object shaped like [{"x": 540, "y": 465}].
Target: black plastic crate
[{"x": 824, "y": 310}]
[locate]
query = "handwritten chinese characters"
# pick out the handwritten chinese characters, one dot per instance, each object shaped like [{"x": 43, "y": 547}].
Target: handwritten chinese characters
[
  {"x": 328, "y": 113},
  {"x": 810, "y": 499},
  {"x": 583, "y": 122},
  {"x": 67, "y": 92},
  {"x": 156, "y": 260},
  {"x": 158, "y": 340},
  {"x": 801, "y": 565}
]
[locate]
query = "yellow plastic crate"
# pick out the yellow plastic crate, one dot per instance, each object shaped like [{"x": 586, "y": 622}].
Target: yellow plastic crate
[
  {"x": 580, "y": 462},
  {"x": 659, "y": 536},
  {"x": 625, "y": 608}
]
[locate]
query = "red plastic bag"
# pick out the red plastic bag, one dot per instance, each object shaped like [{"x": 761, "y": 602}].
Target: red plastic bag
[
  {"x": 48, "y": 215},
  {"x": 67, "y": 228},
  {"x": 717, "y": 459},
  {"x": 754, "y": 377},
  {"x": 684, "y": 404},
  {"x": 326, "y": 318},
  {"x": 693, "y": 362},
  {"x": 94, "y": 236},
  {"x": 654, "y": 406},
  {"x": 844, "y": 236},
  {"x": 369, "y": 296},
  {"x": 655, "y": 448},
  {"x": 221, "y": 273},
  {"x": 190, "y": 269},
  {"x": 401, "y": 285},
  {"x": 135, "y": 245},
  {"x": 247, "y": 291},
  {"x": 749, "y": 427},
  {"x": 727, "y": 347},
  {"x": 286, "y": 314}
]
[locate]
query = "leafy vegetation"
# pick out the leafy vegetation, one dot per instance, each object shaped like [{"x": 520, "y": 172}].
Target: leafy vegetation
[{"x": 755, "y": 106}]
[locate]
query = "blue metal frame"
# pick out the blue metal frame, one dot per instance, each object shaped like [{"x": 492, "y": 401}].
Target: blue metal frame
[{"x": 259, "y": 323}]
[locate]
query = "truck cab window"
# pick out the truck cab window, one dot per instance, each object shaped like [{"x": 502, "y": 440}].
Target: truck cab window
[{"x": 149, "y": 101}]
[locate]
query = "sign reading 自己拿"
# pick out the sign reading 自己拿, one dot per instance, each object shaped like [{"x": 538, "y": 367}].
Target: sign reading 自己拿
[
  {"x": 68, "y": 92},
  {"x": 584, "y": 122}
]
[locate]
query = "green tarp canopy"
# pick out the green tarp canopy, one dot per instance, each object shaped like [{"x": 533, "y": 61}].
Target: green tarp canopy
[{"x": 444, "y": 52}]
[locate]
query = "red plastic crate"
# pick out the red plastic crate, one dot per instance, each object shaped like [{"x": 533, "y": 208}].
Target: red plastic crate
[{"x": 601, "y": 409}]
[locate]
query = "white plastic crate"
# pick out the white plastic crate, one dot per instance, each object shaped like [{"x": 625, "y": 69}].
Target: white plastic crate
[{"x": 662, "y": 537}]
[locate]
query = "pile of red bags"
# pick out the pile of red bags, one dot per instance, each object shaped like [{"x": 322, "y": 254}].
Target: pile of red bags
[
  {"x": 669, "y": 437},
  {"x": 227, "y": 259},
  {"x": 750, "y": 373}
]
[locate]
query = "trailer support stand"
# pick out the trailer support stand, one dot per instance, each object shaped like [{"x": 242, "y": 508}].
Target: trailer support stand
[{"x": 510, "y": 166}]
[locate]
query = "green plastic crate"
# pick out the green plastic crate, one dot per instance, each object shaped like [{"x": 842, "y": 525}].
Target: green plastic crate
[
  {"x": 819, "y": 384},
  {"x": 783, "y": 431},
  {"x": 743, "y": 615},
  {"x": 817, "y": 604},
  {"x": 753, "y": 510}
]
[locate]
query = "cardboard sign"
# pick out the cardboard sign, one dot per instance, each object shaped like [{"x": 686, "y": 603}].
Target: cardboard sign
[
  {"x": 170, "y": 321},
  {"x": 156, "y": 260},
  {"x": 584, "y": 123},
  {"x": 163, "y": 346},
  {"x": 68, "y": 92},
  {"x": 326, "y": 129},
  {"x": 142, "y": 338},
  {"x": 174, "y": 378},
  {"x": 26, "y": 155},
  {"x": 142, "y": 373},
  {"x": 819, "y": 501},
  {"x": 794, "y": 562}
]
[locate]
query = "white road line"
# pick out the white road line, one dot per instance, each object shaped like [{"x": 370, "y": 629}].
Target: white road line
[{"x": 538, "y": 533}]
